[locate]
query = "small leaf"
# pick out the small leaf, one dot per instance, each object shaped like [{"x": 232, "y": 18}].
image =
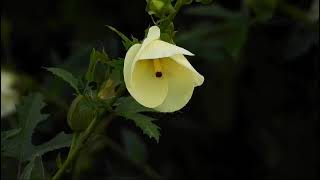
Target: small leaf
[
  {"x": 92, "y": 66},
  {"x": 127, "y": 43},
  {"x": 144, "y": 123},
  {"x": 95, "y": 57},
  {"x": 65, "y": 75}
]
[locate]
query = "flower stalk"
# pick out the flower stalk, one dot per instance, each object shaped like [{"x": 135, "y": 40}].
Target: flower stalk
[{"x": 82, "y": 141}]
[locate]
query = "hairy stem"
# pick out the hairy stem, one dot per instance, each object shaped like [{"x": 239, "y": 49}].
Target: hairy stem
[{"x": 76, "y": 150}]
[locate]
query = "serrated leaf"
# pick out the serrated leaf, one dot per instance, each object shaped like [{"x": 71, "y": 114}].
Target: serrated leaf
[
  {"x": 129, "y": 105},
  {"x": 134, "y": 146},
  {"x": 5, "y": 135},
  {"x": 145, "y": 123},
  {"x": 66, "y": 76},
  {"x": 29, "y": 115}
]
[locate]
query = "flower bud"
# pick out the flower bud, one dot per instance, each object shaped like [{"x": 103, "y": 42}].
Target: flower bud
[
  {"x": 79, "y": 115},
  {"x": 159, "y": 8}
]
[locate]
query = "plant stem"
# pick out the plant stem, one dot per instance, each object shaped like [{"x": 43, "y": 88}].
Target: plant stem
[
  {"x": 75, "y": 151},
  {"x": 75, "y": 138},
  {"x": 166, "y": 22}
]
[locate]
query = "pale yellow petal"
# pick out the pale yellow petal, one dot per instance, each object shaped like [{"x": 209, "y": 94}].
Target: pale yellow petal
[
  {"x": 180, "y": 59},
  {"x": 146, "y": 88},
  {"x": 153, "y": 34},
  {"x": 132, "y": 52},
  {"x": 160, "y": 49},
  {"x": 180, "y": 86}
]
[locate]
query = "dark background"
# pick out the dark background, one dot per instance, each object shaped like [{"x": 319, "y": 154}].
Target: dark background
[{"x": 256, "y": 117}]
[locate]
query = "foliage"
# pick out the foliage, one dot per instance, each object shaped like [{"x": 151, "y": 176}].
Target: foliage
[
  {"x": 248, "y": 34},
  {"x": 66, "y": 76},
  {"x": 17, "y": 142},
  {"x": 130, "y": 109}
]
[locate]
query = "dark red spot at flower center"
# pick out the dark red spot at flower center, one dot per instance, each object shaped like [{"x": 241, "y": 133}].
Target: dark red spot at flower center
[{"x": 158, "y": 74}]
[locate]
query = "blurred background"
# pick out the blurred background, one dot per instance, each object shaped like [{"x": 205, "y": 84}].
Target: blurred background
[{"x": 255, "y": 117}]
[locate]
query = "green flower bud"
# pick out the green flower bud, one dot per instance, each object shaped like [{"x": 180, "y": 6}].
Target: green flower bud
[
  {"x": 159, "y": 8},
  {"x": 79, "y": 115}
]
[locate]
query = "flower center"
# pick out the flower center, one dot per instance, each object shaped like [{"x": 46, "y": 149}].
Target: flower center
[{"x": 157, "y": 68}]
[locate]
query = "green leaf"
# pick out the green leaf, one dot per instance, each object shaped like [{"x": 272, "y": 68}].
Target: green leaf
[
  {"x": 95, "y": 57},
  {"x": 92, "y": 66},
  {"x": 7, "y": 134},
  {"x": 145, "y": 123},
  {"x": 127, "y": 43},
  {"x": 134, "y": 146},
  {"x": 116, "y": 63},
  {"x": 129, "y": 105},
  {"x": 29, "y": 115},
  {"x": 65, "y": 75}
]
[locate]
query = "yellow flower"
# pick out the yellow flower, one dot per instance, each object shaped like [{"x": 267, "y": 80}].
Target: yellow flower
[{"x": 158, "y": 76}]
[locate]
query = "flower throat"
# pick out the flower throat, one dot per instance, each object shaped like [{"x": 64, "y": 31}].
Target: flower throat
[{"x": 157, "y": 68}]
